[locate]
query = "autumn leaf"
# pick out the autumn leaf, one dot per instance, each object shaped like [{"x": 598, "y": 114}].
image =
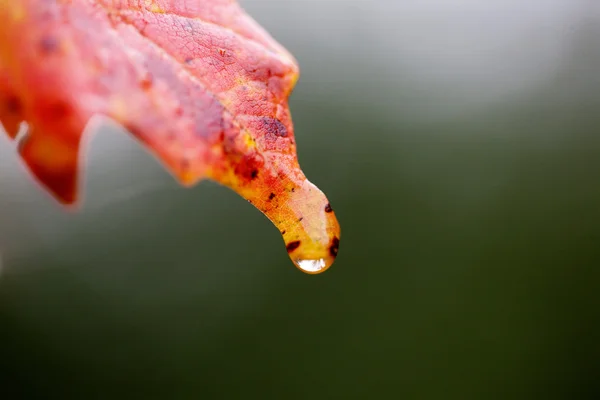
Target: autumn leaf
[{"x": 199, "y": 83}]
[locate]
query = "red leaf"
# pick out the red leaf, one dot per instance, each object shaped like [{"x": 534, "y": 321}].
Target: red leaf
[{"x": 199, "y": 83}]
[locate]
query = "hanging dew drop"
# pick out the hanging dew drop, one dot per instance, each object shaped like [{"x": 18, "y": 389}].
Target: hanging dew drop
[{"x": 312, "y": 266}]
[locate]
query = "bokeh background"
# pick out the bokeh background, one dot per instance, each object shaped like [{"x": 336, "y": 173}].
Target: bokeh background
[{"x": 459, "y": 144}]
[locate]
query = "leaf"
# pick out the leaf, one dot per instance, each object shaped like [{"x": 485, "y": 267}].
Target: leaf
[{"x": 199, "y": 83}]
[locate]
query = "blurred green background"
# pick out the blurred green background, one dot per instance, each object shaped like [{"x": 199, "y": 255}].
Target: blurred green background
[{"x": 458, "y": 142}]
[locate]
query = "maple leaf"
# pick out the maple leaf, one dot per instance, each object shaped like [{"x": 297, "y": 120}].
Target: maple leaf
[{"x": 199, "y": 83}]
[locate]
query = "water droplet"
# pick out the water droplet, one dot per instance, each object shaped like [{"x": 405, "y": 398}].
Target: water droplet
[{"x": 312, "y": 266}]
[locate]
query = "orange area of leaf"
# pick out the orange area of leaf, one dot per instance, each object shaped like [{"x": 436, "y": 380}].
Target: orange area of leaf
[{"x": 199, "y": 83}]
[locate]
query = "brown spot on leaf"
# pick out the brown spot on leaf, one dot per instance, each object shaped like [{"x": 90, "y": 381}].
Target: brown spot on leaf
[
  {"x": 48, "y": 44},
  {"x": 61, "y": 109},
  {"x": 55, "y": 110},
  {"x": 274, "y": 127},
  {"x": 335, "y": 245},
  {"x": 13, "y": 105},
  {"x": 146, "y": 82},
  {"x": 248, "y": 167},
  {"x": 291, "y": 246},
  {"x": 271, "y": 196},
  {"x": 328, "y": 208}
]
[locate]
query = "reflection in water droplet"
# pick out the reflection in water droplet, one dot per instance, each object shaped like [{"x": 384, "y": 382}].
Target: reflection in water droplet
[{"x": 312, "y": 266}]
